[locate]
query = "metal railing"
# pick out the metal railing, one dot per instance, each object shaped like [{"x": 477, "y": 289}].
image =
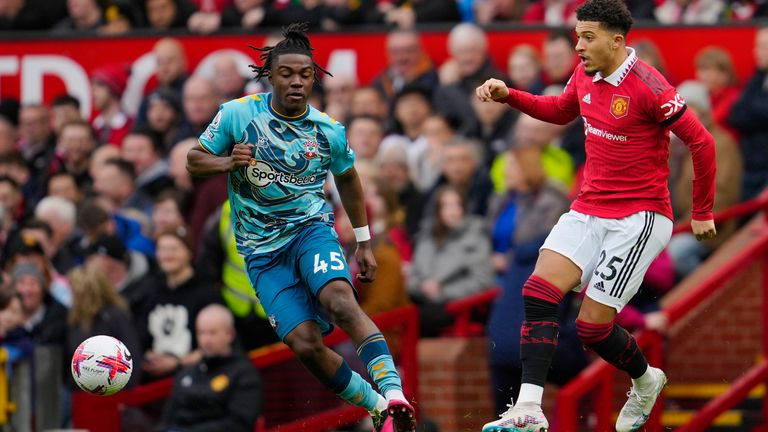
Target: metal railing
[{"x": 463, "y": 309}]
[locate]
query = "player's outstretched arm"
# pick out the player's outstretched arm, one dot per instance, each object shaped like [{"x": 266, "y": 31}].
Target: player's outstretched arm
[
  {"x": 560, "y": 109},
  {"x": 351, "y": 193},
  {"x": 200, "y": 163}
]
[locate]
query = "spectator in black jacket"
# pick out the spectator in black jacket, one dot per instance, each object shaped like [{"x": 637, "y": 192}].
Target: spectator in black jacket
[
  {"x": 166, "y": 326},
  {"x": 222, "y": 391},
  {"x": 748, "y": 116}
]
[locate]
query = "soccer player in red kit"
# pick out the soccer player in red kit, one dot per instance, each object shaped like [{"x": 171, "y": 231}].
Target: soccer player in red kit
[{"x": 622, "y": 217}]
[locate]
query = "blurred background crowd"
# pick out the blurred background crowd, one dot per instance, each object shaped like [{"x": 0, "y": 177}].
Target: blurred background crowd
[
  {"x": 102, "y": 230},
  {"x": 208, "y": 16}
]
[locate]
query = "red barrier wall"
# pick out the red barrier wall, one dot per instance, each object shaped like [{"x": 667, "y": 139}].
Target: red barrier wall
[{"x": 36, "y": 70}]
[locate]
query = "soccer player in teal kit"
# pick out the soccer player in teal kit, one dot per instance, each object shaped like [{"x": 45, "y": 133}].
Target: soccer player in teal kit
[
  {"x": 622, "y": 217},
  {"x": 277, "y": 150}
]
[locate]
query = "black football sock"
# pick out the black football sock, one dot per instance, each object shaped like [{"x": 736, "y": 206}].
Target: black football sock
[
  {"x": 538, "y": 335},
  {"x": 615, "y": 345}
]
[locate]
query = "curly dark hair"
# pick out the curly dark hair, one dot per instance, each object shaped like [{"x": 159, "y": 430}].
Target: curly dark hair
[
  {"x": 611, "y": 14},
  {"x": 295, "y": 41}
]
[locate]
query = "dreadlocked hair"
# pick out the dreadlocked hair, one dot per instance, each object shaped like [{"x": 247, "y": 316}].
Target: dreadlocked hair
[{"x": 295, "y": 40}]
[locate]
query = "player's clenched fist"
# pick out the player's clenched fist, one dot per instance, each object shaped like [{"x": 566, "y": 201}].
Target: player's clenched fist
[
  {"x": 703, "y": 230},
  {"x": 367, "y": 263},
  {"x": 241, "y": 155},
  {"x": 491, "y": 90}
]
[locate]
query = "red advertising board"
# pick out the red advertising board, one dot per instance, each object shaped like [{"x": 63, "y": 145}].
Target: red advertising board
[{"x": 38, "y": 70}]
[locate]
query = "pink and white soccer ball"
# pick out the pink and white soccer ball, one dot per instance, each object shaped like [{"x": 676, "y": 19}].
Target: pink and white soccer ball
[{"x": 102, "y": 365}]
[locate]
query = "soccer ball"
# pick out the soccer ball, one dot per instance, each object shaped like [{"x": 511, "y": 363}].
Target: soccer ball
[{"x": 101, "y": 365}]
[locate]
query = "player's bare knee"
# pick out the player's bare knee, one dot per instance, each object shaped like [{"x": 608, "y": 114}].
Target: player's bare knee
[
  {"x": 308, "y": 350},
  {"x": 563, "y": 282},
  {"x": 344, "y": 311},
  {"x": 595, "y": 322},
  {"x": 338, "y": 299},
  {"x": 306, "y": 343},
  {"x": 596, "y": 313},
  {"x": 557, "y": 270}
]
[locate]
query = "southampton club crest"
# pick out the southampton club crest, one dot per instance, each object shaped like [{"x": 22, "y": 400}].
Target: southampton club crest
[
  {"x": 310, "y": 150},
  {"x": 619, "y": 106}
]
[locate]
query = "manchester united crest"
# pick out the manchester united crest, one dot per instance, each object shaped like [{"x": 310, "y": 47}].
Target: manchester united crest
[
  {"x": 310, "y": 150},
  {"x": 619, "y": 106}
]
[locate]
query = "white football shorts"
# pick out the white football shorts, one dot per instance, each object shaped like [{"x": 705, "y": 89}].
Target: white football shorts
[{"x": 613, "y": 254}]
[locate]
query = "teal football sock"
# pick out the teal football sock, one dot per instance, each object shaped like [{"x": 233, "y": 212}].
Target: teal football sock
[
  {"x": 351, "y": 387},
  {"x": 373, "y": 351}
]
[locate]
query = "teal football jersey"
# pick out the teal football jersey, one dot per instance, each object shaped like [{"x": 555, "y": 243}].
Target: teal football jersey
[{"x": 282, "y": 187}]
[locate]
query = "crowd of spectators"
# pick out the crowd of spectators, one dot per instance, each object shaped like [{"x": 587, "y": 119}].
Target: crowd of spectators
[
  {"x": 103, "y": 230},
  {"x": 209, "y": 16}
]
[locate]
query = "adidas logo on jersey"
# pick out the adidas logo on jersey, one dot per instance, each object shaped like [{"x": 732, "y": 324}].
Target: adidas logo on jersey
[
  {"x": 599, "y": 286},
  {"x": 588, "y": 98}
]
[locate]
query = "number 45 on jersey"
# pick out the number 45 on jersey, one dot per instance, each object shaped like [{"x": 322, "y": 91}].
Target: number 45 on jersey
[{"x": 336, "y": 263}]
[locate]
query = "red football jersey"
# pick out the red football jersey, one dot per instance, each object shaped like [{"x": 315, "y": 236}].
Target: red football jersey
[{"x": 627, "y": 118}]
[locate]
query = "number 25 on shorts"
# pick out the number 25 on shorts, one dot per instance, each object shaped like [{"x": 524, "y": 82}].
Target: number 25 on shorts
[
  {"x": 336, "y": 262},
  {"x": 609, "y": 266}
]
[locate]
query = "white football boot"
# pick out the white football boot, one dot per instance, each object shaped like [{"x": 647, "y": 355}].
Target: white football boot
[
  {"x": 635, "y": 412},
  {"x": 523, "y": 417}
]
